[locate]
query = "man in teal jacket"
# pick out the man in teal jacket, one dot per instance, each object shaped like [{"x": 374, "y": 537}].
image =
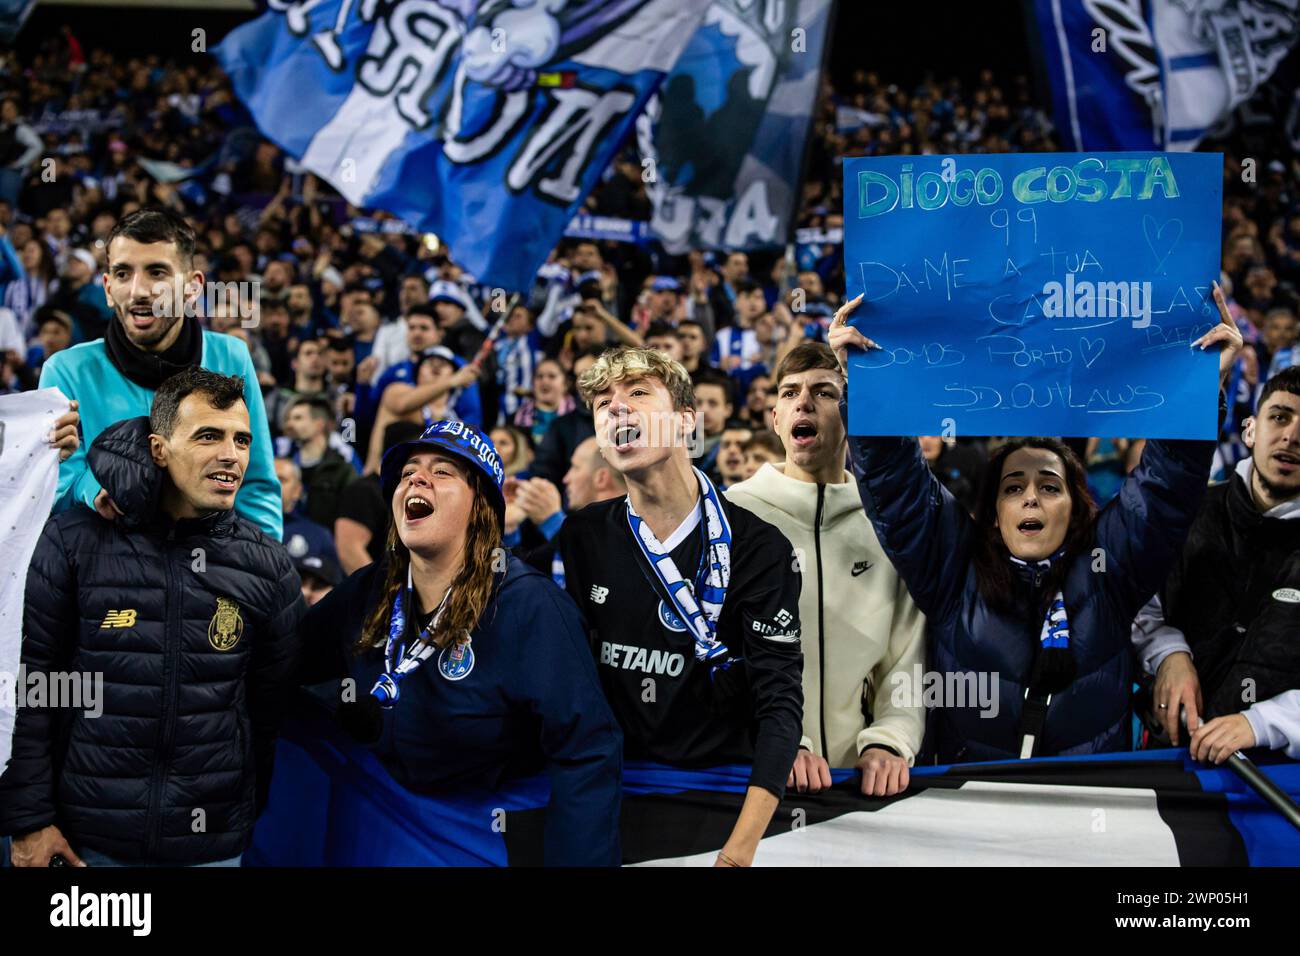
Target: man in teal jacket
[{"x": 151, "y": 286}]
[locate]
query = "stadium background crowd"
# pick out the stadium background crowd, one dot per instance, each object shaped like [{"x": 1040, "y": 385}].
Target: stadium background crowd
[{"x": 361, "y": 331}]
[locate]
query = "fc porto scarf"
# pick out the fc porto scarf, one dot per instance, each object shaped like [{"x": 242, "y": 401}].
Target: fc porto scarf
[
  {"x": 1056, "y": 625},
  {"x": 711, "y": 579},
  {"x": 386, "y": 689},
  {"x": 1054, "y": 666}
]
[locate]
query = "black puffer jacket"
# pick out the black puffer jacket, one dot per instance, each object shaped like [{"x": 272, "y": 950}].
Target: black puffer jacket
[
  {"x": 1235, "y": 594},
  {"x": 192, "y": 626}
]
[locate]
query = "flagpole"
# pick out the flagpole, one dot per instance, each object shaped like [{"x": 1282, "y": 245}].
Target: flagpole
[
  {"x": 1246, "y": 769},
  {"x": 1255, "y": 778}
]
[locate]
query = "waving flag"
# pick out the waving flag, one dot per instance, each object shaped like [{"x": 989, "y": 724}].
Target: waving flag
[
  {"x": 1157, "y": 74},
  {"x": 332, "y": 804},
  {"x": 486, "y": 123},
  {"x": 726, "y": 134},
  {"x": 13, "y": 14}
]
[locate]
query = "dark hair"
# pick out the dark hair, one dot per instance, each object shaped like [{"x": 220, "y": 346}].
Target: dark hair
[
  {"x": 46, "y": 267},
  {"x": 339, "y": 345},
  {"x": 221, "y": 391},
  {"x": 765, "y": 438},
  {"x": 806, "y": 356},
  {"x": 1287, "y": 380},
  {"x": 994, "y": 574},
  {"x": 49, "y": 313},
  {"x": 425, "y": 309},
  {"x": 658, "y": 327},
  {"x": 316, "y": 404},
  {"x": 156, "y": 224},
  {"x": 397, "y": 432},
  {"x": 714, "y": 377},
  {"x": 745, "y": 286}
]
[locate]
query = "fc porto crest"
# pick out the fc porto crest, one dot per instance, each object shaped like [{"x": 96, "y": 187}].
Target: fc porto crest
[
  {"x": 226, "y": 627},
  {"x": 456, "y": 661},
  {"x": 669, "y": 618}
]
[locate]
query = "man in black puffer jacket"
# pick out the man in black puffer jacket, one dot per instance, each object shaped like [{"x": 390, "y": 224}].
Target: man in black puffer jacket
[
  {"x": 188, "y": 615},
  {"x": 1221, "y": 639}
]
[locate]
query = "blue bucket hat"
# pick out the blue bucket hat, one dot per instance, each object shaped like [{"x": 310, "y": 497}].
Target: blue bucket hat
[{"x": 456, "y": 438}]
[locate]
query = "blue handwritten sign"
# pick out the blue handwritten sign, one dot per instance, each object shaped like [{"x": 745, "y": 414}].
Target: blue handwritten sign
[{"x": 1038, "y": 293}]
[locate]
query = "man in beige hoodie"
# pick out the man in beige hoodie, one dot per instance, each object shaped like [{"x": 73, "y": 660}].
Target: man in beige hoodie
[{"x": 863, "y": 635}]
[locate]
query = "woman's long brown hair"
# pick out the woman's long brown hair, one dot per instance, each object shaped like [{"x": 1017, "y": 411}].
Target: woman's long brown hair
[
  {"x": 994, "y": 573},
  {"x": 471, "y": 590}
]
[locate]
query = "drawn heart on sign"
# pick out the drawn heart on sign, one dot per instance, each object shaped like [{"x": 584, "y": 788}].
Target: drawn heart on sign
[
  {"x": 1161, "y": 246},
  {"x": 1095, "y": 346}
]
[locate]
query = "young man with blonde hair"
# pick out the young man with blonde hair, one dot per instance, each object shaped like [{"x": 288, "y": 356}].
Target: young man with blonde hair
[{"x": 693, "y": 602}]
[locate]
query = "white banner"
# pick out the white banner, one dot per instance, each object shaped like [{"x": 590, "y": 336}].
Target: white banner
[{"x": 29, "y": 468}]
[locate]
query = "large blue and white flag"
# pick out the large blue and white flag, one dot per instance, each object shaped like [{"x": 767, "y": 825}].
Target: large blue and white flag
[
  {"x": 1151, "y": 808},
  {"x": 723, "y": 141},
  {"x": 484, "y": 122},
  {"x": 1157, "y": 74}
]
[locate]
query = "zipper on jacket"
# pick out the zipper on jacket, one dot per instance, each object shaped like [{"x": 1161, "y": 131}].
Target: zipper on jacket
[
  {"x": 821, "y": 623},
  {"x": 172, "y": 637}
]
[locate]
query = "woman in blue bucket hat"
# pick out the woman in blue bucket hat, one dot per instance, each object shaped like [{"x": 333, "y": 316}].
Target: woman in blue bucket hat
[{"x": 469, "y": 665}]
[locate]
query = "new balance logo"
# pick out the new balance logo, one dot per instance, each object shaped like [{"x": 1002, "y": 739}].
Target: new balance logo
[
  {"x": 119, "y": 619},
  {"x": 598, "y": 594},
  {"x": 860, "y": 566}
]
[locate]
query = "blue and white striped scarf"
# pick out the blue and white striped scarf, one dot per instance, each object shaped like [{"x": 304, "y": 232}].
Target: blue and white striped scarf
[
  {"x": 711, "y": 579},
  {"x": 1056, "y": 625}
]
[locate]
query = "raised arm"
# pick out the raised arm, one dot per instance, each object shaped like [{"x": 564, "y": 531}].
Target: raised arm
[
  {"x": 402, "y": 399},
  {"x": 1141, "y": 532},
  {"x": 924, "y": 530}
]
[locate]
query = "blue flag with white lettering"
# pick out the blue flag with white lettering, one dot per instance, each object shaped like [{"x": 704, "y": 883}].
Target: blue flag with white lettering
[
  {"x": 1034, "y": 294},
  {"x": 727, "y": 133},
  {"x": 486, "y": 123},
  {"x": 1150, "y": 74}
]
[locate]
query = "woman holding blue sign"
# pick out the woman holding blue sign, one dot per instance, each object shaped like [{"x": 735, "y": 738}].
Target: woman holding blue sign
[
  {"x": 1039, "y": 589},
  {"x": 468, "y": 666}
]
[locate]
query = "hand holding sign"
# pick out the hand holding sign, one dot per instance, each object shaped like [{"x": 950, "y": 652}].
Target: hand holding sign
[
  {"x": 840, "y": 335},
  {"x": 1225, "y": 332}
]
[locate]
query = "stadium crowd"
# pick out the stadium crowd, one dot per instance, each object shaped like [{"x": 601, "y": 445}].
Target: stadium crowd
[{"x": 361, "y": 336}]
